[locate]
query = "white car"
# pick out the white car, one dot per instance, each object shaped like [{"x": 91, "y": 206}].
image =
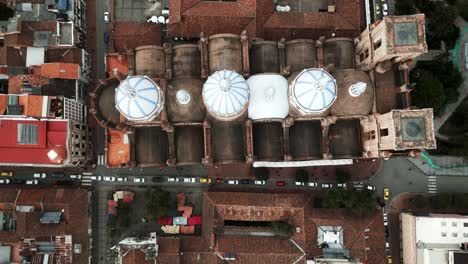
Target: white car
[
  {"x": 312, "y": 184},
  {"x": 385, "y": 219},
  {"x": 122, "y": 179},
  {"x": 341, "y": 185},
  {"x": 298, "y": 183},
  {"x": 385, "y": 9},
  {"x": 370, "y": 188},
  {"x": 32, "y": 182},
  {"x": 139, "y": 180},
  {"x": 75, "y": 176},
  {"x": 188, "y": 179},
  {"x": 173, "y": 179},
  {"x": 327, "y": 185},
  {"x": 96, "y": 178},
  {"x": 40, "y": 175},
  {"x": 259, "y": 182},
  {"x": 4, "y": 181},
  {"x": 106, "y": 17},
  {"x": 233, "y": 182},
  {"x": 109, "y": 178}
]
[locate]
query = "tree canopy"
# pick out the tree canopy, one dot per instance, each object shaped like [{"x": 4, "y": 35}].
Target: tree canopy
[
  {"x": 302, "y": 175},
  {"x": 358, "y": 201},
  {"x": 156, "y": 202},
  {"x": 428, "y": 91},
  {"x": 342, "y": 176}
]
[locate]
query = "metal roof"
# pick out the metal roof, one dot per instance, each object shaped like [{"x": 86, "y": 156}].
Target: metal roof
[
  {"x": 138, "y": 98},
  {"x": 313, "y": 90},
  {"x": 51, "y": 218},
  {"x": 225, "y": 93}
]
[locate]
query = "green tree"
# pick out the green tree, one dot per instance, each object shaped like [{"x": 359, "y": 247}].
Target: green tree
[
  {"x": 463, "y": 9},
  {"x": 123, "y": 213},
  {"x": 156, "y": 202},
  {"x": 342, "y": 176},
  {"x": 262, "y": 173},
  {"x": 428, "y": 90},
  {"x": 282, "y": 227},
  {"x": 405, "y": 7},
  {"x": 441, "y": 200},
  {"x": 419, "y": 201},
  {"x": 440, "y": 24},
  {"x": 302, "y": 175},
  {"x": 460, "y": 200},
  {"x": 358, "y": 201}
]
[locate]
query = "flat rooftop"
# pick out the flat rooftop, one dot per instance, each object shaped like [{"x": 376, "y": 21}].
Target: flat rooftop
[
  {"x": 228, "y": 142},
  {"x": 189, "y": 144},
  {"x": 151, "y": 146},
  {"x": 345, "y": 138},
  {"x": 268, "y": 141},
  {"x": 305, "y": 138}
]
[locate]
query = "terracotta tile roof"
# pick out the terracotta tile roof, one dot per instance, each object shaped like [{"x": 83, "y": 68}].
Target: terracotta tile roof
[
  {"x": 118, "y": 152},
  {"x": 60, "y": 70},
  {"x": 129, "y": 35},
  {"x": 136, "y": 256},
  {"x": 117, "y": 62},
  {"x": 190, "y": 18},
  {"x": 74, "y": 202}
]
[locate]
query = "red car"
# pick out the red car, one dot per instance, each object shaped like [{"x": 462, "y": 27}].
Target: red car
[
  {"x": 280, "y": 183},
  {"x": 219, "y": 180}
]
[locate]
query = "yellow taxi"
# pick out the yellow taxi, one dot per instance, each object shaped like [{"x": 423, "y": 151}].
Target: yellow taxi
[
  {"x": 386, "y": 194},
  {"x": 6, "y": 173},
  {"x": 389, "y": 258},
  {"x": 205, "y": 180}
]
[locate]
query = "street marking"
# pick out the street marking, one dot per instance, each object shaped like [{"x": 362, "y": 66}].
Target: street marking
[{"x": 432, "y": 184}]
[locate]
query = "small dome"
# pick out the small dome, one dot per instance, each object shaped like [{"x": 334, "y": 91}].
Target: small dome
[
  {"x": 313, "y": 90},
  {"x": 183, "y": 97},
  {"x": 268, "y": 96},
  {"x": 138, "y": 98},
  {"x": 357, "y": 89},
  {"x": 225, "y": 94}
]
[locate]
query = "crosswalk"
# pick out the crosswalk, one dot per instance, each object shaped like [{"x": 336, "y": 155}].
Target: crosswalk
[
  {"x": 86, "y": 180},
  {"x": 432, "y": 184},
  {"x": 101, "y": 159}
]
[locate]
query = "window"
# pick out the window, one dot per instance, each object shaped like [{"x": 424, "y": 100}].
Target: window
[
  {"x": 377, "y": 44},
  {"x": 465, "y": 224},
  {"x": 362, "y": 57},
  {"x": 27, "y": 134},
  {"x": 454, "y": 234},
  {"x": 367, "y": 53},
  {"x": 443, "y": 234},
  {"x": 384, "y": 132},
  {"x": 465, "y": 235},
  {"x": 372, "y": 134},
  {"x": 443, "y": 223},
  {"x": 454, "y": 224}
]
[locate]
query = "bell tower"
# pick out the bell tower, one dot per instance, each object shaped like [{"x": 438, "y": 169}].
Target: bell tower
[{"x": 395, "y": 39}]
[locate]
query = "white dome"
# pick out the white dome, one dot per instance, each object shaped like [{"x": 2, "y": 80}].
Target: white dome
[
  {"x": 225, "y": 94},
  {"x": 313, "y": 90},
  {"x": 138, "y": 98},
  {"x": 357, "y": 89},
  {"x": 183, "y": 97},
  {"x": 268, "y": 96}
]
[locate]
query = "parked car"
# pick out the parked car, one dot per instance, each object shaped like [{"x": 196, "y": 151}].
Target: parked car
[
  {"x": 389, "y": 259},
  {"x": 139, "y": 180},
  {"x": 58, "y": 175},
  {"x": 157, "y": 179},
  {"x": 386, "y": 193},
  {"x": 205, "y": 180},
  {"x": 232, "y": 182},
  {"x": 385, "y": 219},
  {"x": 122, "y": 179},
  {"x": 245, "y": 181},
  {"x": 17, "y": 181},
  {"x": 109, "y": 178},
  {"x": 106, "y": 37},
  {"x": 173, "y": 179},
  {"x": 281, "y": 183},
  {"x": 64, "y": 183},
  {"x": 312, "y": 184},
  {"x": 385, "y": 9},
  {"x": 188, "y": 179},
  {"x": 75, "y": 176},
  {"x": 327, "y": 185},
  {"x": 370, "y": 188},
  {"x": 259, "y": 182},
  {"x": 341, "y": 185},
  {"x": 219, "y": 180},
  {"x": 32, "y": 182},
  {"x": 106, "y": 17},
  {"x": 6, "y": 173},
  {"x": 298, "y": 183},
  {"x": 96, "y": 178},
  {"x": 4, "y": 181},
  {"x": 39, "y": 175},
  {"x": 387, "y": 246}
]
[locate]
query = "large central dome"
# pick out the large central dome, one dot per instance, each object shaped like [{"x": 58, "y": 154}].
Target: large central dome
[
  {"x": 313, "y": 90},
  {"x": 138, "y": 98},
  {"x": 225, "y": 94}
]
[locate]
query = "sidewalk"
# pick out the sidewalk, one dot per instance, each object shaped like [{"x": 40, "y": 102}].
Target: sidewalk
[{"x": 443, "y": 161}]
